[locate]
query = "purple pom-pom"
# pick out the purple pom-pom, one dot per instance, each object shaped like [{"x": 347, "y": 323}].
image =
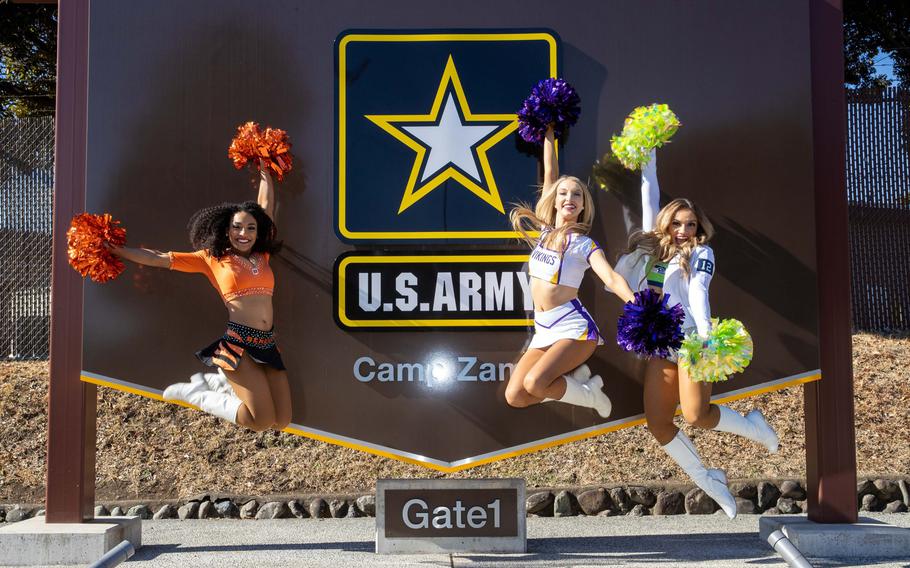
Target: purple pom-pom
[
  {"x": 648, "y": 327},
  {"x": 552, "y": 101}
]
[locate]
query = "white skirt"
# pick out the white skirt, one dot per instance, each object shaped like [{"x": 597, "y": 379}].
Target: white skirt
[{"x": 568, "y": 321}]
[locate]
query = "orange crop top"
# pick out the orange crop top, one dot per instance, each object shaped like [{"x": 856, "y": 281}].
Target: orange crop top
[{"x": 233, "y": 276}]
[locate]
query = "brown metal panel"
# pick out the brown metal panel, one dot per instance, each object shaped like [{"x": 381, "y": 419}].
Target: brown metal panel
[
  {"x": 72, "y": 403},
  {"x": 830, "y": 436}
]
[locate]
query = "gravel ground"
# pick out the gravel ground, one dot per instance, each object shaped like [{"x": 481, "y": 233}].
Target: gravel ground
[{"x": 152, "y": 450}]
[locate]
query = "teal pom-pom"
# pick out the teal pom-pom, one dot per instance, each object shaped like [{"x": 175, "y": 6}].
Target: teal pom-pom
[{"x": 728, "y": 350}]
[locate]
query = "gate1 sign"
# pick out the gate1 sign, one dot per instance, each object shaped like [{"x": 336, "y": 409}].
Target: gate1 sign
[{"x": 402, "y": 301}]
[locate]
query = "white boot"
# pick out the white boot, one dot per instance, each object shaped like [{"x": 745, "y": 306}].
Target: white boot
[
  {"x": 183, "y": 391},
  {"x": 196, "y": 393},
  {"x": 585, "y": 395},
  {"x": 580, "y": 374},
  {"x": 712, "y": 482},
  {"x": 752, "y": 426}
]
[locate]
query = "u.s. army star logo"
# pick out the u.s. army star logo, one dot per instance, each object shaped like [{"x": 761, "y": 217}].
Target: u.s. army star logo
[{"x": 450, "y": 141}]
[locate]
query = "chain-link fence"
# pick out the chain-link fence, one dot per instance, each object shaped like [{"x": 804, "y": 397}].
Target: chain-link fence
[{"x": 26, "y": 198}]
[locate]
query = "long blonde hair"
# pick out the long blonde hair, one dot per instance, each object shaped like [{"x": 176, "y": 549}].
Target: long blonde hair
[
  {"x": 660, "y": 245},
  {"x": 544, "y": 216}
]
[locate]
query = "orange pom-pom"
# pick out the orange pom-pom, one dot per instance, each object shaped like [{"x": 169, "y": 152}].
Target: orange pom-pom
[
  {"x": 272, "y": 145},
  {"x": 85, "y": 246}
]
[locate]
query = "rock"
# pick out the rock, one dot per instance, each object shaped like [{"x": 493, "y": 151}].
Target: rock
[
  {"x": 249, "y": 509},
  {"x": 352, "y": 511},
  {"x": 2, "y": 513},
  {"x": 273, "y": 510},
  {"x": 227, "y": 509},
  {"x": 772, "y": 511},
  {"x": 298, "y": 510},
  {"x": 594, "y": 501},
  {"x": 641, "y": 495},
  {"x": 200, "y": 498},
  {"x": 905, "y": 491},
  {"x": 40, "y": 513},
  {"x": 101, "y": 511},
  {"x": 792, "y": 490},
  {"x": 207, "y": 510},
  {"x": 540, "y": 504},
  {"x": 803, "y": 505},
  {"x": 165, "y": 512},
  {"x": 864, "y": 487},
  {"x": 745, "y": 490},
  {"x": 367, "y": 505},
  {"x": 745, "y": 506},
  {"x": 621, "y": 500},
  {"x": 608, "y": 513},
  {"x": 768, "y": 494},
  {"x": 318, "y": 509},
  {"x": 870, "y": 503},
  {"x": 141, "y": 511},
  {"x": 338, "y": 508},
  {"x": 698, "y": 503},
  {"x": 787, "y": 506},
  {"x": 565, "y": 505},
  {"x": 895, "y": 507},
  {"x": 188, "y": 510},
  {"x": 116, "y": 511},
  {"x": 670, "y": 503},
  {"x": 639, "y": 510},
  {"x": 887, "y": 490},
  {"x": 17, "y": 514}
]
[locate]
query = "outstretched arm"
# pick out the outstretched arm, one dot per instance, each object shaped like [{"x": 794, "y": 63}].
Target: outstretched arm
[
  {"x": 650, "y": 194},
  {"x": 147, "y": 257},
  {"x": 550, "y": 163},
  {"x": 611, "y": 279},
  {"x": 266, "y": 197}
]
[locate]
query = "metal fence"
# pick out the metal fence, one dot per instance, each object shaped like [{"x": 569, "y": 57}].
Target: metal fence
[
  {"x": 878, "y": 189},
  {"x": 26, "y": 198}
]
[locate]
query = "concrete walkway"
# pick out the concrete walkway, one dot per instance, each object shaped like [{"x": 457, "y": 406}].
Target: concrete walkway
[{"x": 708, "y": 541}]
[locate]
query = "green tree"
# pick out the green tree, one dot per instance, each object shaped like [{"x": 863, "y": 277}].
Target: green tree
[
  {"x": 28, "y": 59},
  {"x": 873, "y": 28}
]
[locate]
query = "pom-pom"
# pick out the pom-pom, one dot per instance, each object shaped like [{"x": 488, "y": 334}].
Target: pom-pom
[
  {"x": 551, "y": 102},
  {"x": 85, "y": 240},
  {"x": 271, "y": 145},
  {"x": 648, "y": 327},
  {"x": 645, "y": 129},
  {"x": 727, "y": 350}
]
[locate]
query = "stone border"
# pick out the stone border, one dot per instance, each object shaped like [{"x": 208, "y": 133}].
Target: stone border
[{"x": 763, "y": 497}]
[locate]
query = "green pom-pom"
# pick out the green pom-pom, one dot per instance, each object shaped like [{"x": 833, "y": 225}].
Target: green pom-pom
[
  {"x": 645, "y": 129},
  {"x": 728, "y": 350}
]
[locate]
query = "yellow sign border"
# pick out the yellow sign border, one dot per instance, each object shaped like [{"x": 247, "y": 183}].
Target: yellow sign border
[{"x": 342, "y": 126}]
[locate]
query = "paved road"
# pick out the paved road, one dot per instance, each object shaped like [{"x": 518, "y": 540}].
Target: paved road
[{"x": 700, "y": 541}]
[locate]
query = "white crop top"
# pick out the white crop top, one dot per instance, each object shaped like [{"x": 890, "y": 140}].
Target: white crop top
[{"x": 567, "y": 267}]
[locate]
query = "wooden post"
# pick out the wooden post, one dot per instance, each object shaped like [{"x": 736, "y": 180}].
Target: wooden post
[
  {"x": 830, "y": 435},
  {"x": 72, "y": 403}
]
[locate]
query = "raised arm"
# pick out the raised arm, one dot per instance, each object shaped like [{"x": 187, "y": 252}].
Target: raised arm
[
  {"x": 266, "y": 198},
  {"x": 611, "y": 279},
  {"x": 550, "y": 163},
  {"x": 650, "y": 194},
  {"x": 147, "y": 257}
]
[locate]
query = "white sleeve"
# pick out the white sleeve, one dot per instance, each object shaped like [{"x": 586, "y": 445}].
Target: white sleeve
[
  {"x": 702, "y": 264},
  {"x": 650, "y": 194}
]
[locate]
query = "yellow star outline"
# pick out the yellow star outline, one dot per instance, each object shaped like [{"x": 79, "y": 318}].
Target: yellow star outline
[{"x": 411, "y": 194}]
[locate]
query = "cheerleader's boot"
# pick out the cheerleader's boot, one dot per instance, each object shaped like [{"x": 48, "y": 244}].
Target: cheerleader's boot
[
  {"x": 585, "y": 395},
  {"x": 218, "y": 404},
  {"x": 712, "y": 482},
  {"x": 581, "y": 374},
  {"x": 183, "y": 391},
  {"x": 752, "y": 426}
]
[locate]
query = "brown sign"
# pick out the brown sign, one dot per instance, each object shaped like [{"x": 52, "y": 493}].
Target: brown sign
[
  {"x": 431, "y": 513},
  {"x": 164, "y": 104}
]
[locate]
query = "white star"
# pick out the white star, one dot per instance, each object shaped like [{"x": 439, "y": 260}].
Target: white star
[{"x": 450, "y": 141}]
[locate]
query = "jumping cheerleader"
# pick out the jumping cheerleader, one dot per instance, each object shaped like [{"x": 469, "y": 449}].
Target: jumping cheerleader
[
  {"x": 565, "y": 335},
  {"x": 234, "y": 242},
  {"x": 672, "y": 256}
]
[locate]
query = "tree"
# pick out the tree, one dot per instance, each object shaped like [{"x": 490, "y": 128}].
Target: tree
[
  {"x": 873, "y": 28},
  {"x": 28, "y": 59}
]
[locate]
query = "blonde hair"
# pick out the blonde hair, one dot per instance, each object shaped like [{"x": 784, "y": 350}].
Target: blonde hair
[
  {"x": 660, "y": 245},
  {"x": 544, "y": 216}
]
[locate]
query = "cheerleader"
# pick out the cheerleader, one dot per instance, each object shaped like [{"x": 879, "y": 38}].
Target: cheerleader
[
  {"x": 671, "y": 255},
  {"x": 234, "y": 242},
  {"x": 565, "y": 334}
]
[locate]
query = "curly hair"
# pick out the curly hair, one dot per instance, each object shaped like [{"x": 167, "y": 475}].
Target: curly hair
[{"x": 209, "y": 228}]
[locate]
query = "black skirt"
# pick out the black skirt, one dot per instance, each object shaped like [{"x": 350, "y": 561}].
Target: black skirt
[{"x": 237, "y": 340}]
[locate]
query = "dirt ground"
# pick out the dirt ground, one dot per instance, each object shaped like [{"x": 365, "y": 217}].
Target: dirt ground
[{"x": 152, "y": 450}]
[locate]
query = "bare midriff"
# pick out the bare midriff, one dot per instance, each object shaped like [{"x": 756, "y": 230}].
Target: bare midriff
[
  {"x": 251, "y": 311},
  {"x": 547, "y": 295}
]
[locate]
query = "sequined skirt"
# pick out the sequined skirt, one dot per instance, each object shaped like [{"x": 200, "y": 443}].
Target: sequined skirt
[{"x": 239, "y": 339}]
